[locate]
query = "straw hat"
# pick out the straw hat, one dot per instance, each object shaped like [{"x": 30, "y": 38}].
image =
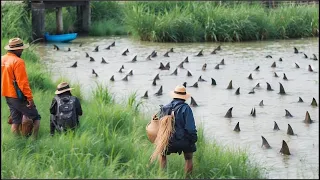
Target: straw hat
[
  {"x": 180, "y": 92},
  {"x": 15, "y": 44},
  {"x": 63, "y": 87}
]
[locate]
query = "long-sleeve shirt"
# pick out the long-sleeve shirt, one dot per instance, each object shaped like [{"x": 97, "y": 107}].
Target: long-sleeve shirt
[
  {"x": 184, "y": 121},
  {"x": 12, "y": 64}
]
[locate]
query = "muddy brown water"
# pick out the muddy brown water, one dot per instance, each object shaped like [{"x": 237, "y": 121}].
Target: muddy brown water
[{"x": 240, "y": 60}]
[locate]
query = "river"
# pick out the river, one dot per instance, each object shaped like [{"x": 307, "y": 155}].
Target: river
[{"x": 240, "y": 60}]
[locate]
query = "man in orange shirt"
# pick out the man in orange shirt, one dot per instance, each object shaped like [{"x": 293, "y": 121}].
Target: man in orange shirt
[{"x": 13, "y": 68}]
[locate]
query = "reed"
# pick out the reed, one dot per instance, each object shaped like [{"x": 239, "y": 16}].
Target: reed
[{"x": 210, "y": 21}]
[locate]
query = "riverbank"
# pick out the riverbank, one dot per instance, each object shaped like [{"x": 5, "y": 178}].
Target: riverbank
[{"x": 111, "y": 141}]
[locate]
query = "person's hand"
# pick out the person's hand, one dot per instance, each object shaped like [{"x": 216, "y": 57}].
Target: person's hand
[{"x": 30, "y": 104}]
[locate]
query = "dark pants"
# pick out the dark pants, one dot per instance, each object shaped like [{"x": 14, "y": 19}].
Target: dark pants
[
  {"x": 19, "y": 108},
  {"x": 179, "y": 146},
  {"x": 53, "y": 123}
]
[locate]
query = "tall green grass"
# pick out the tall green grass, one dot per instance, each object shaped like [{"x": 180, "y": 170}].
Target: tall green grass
[
  {"x": 209, "y": 21},
  {"x": 111, "y": 141}
]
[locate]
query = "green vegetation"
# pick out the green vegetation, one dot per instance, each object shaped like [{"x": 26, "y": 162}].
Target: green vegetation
[{"x": 207, "y": 21}]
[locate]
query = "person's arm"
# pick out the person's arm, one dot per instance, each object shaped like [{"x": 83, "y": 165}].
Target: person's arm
[
  {"x": 22, "y": 80},
  {"x": 52, "y": 126},
  {"x": 78, "y": 107},
  {"x": 190, "y": 125}
]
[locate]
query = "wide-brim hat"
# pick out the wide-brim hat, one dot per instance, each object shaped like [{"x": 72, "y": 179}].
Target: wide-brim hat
[
  {"x": 180, "y": 93},
  {"x": 63, "y": 87},
  {"x": 16, "y": 44}
]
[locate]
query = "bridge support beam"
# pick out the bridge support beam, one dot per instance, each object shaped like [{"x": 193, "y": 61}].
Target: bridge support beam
[
  {"x": 38, "y": 19},
  {"x": 86, "y": 16}
]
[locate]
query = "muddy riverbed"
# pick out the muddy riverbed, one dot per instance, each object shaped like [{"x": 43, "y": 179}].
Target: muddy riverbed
[{"x": 240, "y": 60}]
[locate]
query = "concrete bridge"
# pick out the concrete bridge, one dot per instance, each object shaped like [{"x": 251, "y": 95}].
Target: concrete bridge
[{"x": 38, "y": 15}]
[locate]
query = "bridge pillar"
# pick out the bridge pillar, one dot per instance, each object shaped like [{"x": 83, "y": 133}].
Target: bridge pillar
[
  {"x": 38, "y": 19},
  {"x": 86, "y": 16},
  {"x": 59, "y": 20}
]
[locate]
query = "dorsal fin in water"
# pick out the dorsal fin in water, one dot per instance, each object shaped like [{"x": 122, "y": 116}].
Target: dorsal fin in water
[
  {"x": 204, "y": 66},
  {"x": 253, "y": 112},
  {"x": 56, "y": 47},
  {"x": 214, "y": 51},
  {"x": 280, "y": 59},
  {"x": 257, "y": 85},
  {"x": 218, "y": 48},
  {"x": 122, "y": 67},
  {"x": 130, "y": 73},
  {"x": 166, "y": 54},
  {"x": 181, "y": 65},
  {"x": 161, "y": 66},
  {"x": 112, "y": 78},
  {"x": 186, "y": 60},
  {"x": 167, "y": 67},
  {"x": 159, "y": 93},
  {"x": 307, "y": 118},
  {"x": 297, "y": 66},
  {"x": 145, "y": 95},
  {"x": 171, "y": 50},
  {"x": 314, "y": 102},
  {"x": 96, "y": 49},
  {"x": 273, "y": 64},
  {"x": 120, "y": 70},
  {"x": 80, "y": 45},
  {"x": 108, "y": 48},
  {"x": 238, "y": 91},
  {"x": 237, "y": 127},
  {"x": 124, "y": 53},
  {"x": 217, "y": 67},
  {"x": 265, "y": 143},
  {"x": 295, "y": 50},
  {"x": 285, "y": 149},
  {"x": 87, "y": 55},
  {"x": 268, "y": 56},
  {"x": 276, "y": 127},
  {"x": 222, "y": 62},
  {"x": 250, "y": 76},
  {"x": 125, "y": 78},
  {"x": 288, "y": 114},
  {"x": 200, "y": 53},
  {"x": 189, "y": 73},
  {"x": 261, "y": 103},
  {"x": 257, "y": 68},
  {"x": 200, "y": 79},
  {"x": 300, "y": 99},
  {"x": 91, "y": 59},
  {"x": 269, "y": 87},
  {"x": 149, "y": 57},
  {"x": 157, "y": 77},
  {"x": 75, "y": 64},
  {"x": 289, "y": 130},
  {"x": 185, "y": 84},
  {"x": 284, "y": 76},
  {"x": 113, "y": 44},
  {"x": 252, "y": 91},
  {"x": 195, "y": 85},
  {"x": 154, "y": 82},
  {"x": 310, "y": 68},
  {"x": 275, "y": 74},
  {"x": 134, "y": 59},
  {"x": 281, "y": 89},
  {"x": 69, "y": 49},
  {"x": 127, "y": 50},
  {"x": 314, "y": 57},
  {"x": 213, "y": 82},
  {"x": 229, "y": 113},
  {"x": 305, "y": 56},
  {"x": 103, "y": 61},
  {"x": 193, "y": 102},
  {"x": 230, "y": 85}
]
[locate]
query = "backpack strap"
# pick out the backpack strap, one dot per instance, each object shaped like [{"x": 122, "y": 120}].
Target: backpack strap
[
  {"x": 177, "y": 108},
  {"x": 57, "y": 98}
]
